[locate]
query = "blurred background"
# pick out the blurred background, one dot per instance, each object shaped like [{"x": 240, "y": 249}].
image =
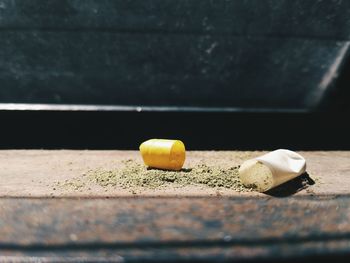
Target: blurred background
[{"x": 109, "y": 74}]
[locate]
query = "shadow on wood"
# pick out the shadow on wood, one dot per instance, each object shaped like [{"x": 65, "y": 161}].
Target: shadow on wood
[{"x": 291, "y": 187}]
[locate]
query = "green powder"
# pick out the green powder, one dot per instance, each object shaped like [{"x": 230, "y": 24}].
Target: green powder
[
  {"x": 76, "y": 184},
  {"x": 134, "y": 174}
]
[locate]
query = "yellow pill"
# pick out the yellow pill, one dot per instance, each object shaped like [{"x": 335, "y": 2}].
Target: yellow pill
[{"x": 163, "y": 154}]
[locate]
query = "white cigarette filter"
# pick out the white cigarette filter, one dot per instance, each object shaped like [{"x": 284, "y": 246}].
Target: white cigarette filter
[{"x": 272, "y": 169}]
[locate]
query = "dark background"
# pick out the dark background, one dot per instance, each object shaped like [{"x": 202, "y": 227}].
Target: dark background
[
  {"x": 126, "y": 130},
  {"x": 215, "y": 74}
]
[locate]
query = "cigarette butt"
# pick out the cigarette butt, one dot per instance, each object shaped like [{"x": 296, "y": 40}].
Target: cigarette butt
[
  {"x": 256, "y": 175},
  {"x": 163, "y": 154},
  {"x": 272, "y": 169}
]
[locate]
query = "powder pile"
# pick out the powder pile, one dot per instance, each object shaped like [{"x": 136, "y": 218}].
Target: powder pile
[{"x": 134, "y": 174}]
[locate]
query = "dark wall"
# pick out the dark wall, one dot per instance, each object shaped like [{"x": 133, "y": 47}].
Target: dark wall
[
  {"x": 277, "y": 73},
  {"x": 257, "y": 54}
]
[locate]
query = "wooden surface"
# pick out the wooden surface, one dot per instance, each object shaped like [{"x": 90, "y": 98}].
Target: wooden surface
[
  {"x": 211, "y": 225},
  {"x": 36, "y": 173}
]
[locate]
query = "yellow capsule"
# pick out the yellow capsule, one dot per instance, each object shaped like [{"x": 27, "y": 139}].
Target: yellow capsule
[{"x": 163, "y": 154}]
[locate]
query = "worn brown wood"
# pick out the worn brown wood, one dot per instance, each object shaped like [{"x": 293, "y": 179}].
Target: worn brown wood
[
  {"x": 204, "y": 229},
  {"x": 180, "y": 223},
  {"x": 35, "y": 173}
]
